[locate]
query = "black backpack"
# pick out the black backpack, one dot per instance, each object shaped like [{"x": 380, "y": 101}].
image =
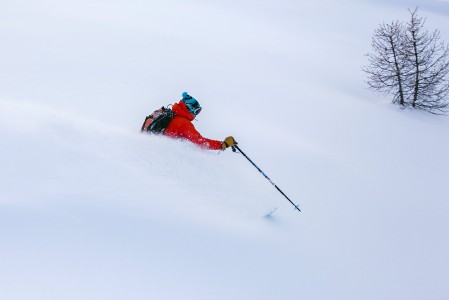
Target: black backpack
[{"x": 158, "y": 120}]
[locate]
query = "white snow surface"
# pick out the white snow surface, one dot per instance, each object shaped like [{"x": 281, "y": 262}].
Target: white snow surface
[{"x": 90, "y": 208}]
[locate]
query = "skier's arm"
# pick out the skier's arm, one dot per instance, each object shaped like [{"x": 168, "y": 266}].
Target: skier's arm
[{"x": 194, "y": 136}]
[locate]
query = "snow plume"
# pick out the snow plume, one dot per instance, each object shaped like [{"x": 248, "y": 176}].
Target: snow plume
[{"x": 63, "y": 158}]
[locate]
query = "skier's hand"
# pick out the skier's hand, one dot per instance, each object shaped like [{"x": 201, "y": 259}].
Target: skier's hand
[{"x": 228, "y": 142}]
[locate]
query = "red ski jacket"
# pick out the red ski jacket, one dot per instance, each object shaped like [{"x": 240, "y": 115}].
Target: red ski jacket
[{"x": 181, "y": 127}]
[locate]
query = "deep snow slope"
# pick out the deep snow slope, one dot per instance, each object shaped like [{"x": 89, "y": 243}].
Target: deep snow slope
[{"x": 91, "y": 208}]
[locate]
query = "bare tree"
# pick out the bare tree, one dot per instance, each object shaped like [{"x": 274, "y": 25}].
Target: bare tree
[
  {"x": 411, "y": 64},
  {"x": 428, "y": 82},
  {"x": 387, "y": 64}
]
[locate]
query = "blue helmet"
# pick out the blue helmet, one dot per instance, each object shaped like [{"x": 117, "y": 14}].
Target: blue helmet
[{"x": 192, "y": 104}]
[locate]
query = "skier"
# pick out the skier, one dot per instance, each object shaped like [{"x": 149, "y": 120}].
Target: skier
[{"x": 181, "y": 125}]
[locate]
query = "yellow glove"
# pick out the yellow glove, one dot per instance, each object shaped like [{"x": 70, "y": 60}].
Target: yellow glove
[{"x": 228, "y": 142}]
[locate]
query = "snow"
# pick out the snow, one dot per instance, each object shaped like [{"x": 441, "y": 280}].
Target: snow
[{"x": 90, "y": 208}]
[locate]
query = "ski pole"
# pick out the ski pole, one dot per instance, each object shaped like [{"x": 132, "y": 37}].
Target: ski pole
[{"x": 243, "y": 153}]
